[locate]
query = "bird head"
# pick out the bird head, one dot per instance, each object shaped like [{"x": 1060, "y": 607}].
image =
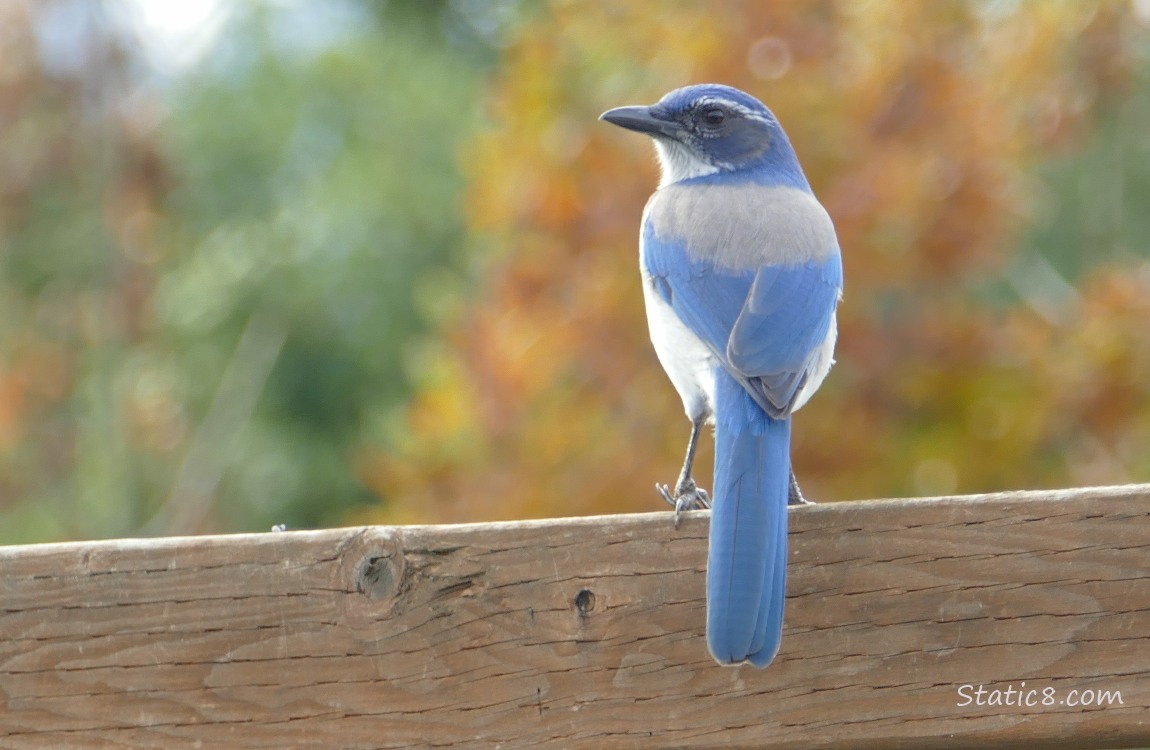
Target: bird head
[{"x": 713, "y": 129}]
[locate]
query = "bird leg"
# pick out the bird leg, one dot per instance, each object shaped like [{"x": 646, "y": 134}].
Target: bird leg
[
  {"x": 688, "y": 495},
  {"x": 795, "y": 495}
]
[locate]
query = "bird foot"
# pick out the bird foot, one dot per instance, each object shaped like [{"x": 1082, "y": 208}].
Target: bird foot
[
  {"x": 795, "y": 495},
  {"x": 688, "y": 496}
]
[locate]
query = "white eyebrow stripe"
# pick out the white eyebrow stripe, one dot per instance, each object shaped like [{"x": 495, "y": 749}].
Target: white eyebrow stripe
[{"x": 732, "y": 105}]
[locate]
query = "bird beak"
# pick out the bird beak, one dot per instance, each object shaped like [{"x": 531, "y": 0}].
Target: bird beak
[{"x": 641, "y": 120}]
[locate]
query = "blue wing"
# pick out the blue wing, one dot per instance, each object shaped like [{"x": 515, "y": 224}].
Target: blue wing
[
  {"x": 765, "y": 325},
  {"x": 786, "y": 316}
]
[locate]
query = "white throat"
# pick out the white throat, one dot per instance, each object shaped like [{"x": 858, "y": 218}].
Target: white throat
[{"x": 677, "y": 163}]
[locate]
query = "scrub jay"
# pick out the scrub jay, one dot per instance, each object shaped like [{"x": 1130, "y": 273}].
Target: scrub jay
[{"x": 741, "y": 278}]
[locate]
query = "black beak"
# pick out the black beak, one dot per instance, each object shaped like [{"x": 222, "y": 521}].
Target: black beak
[{"x": 641, "y": 120}]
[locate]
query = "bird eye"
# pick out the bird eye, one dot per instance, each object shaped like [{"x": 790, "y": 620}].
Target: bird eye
[{"x": 713, "y": 117}]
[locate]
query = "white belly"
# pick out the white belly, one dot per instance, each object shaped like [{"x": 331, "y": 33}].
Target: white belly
[
  {"x": 819, "y": 366},
  {"x": 688, "y": 362}
]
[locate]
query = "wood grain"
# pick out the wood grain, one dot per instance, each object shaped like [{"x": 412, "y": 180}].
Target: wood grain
[{"x": 587, "y": 632}]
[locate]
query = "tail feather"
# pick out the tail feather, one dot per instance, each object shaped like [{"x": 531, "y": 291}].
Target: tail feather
[
  {"x": 746, "y": 567},
  {"x": 771, "y": 612}
]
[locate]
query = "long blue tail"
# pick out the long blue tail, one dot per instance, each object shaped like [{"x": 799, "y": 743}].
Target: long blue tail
[{"x": 747, "y": 562}]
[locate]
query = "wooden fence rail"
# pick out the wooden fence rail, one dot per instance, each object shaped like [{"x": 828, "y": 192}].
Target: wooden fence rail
[{"x": 588, "y": 632}]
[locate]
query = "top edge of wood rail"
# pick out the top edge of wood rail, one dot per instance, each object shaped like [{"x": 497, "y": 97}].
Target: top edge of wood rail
[{"x": 333, "y": 534}]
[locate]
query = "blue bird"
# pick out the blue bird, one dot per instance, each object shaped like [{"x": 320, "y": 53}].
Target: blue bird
[{"x": 742, "y": 276}]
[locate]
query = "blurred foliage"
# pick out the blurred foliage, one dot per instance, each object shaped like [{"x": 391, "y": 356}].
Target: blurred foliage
[
  {"x": 373, "y": 261},
  {"x": 208, "y": 288},
  {"x": 940, "y": 136}
]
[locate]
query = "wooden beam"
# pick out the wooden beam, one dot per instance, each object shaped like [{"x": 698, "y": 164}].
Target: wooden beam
[{"x": 588, "y": 632}]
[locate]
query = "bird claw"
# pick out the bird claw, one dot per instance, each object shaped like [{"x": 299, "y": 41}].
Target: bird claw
[
  {"x": 795, "y": 495},
  {"x": 688, "y": 496}
]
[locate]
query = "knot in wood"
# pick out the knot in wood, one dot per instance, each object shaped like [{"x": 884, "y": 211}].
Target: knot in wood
[{"x": 377, "y": 578}]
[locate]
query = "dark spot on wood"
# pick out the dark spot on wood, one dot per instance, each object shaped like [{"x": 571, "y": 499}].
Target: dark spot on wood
[{"x": 584, "y": 602}]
